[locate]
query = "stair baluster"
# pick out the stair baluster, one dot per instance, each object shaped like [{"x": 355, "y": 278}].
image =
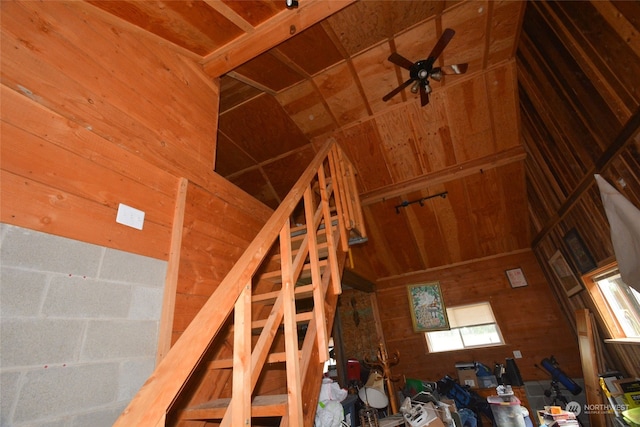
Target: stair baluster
[{"x": 326, "y": 187}]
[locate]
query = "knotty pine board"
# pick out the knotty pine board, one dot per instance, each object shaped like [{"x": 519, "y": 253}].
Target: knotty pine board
[
  {"x": 40, "y": 207},
  {"x": 107, "y": 79},
  {"x": 77, "y": 195},
  {"x": 25, "y": 154},
  {"x": 225, "y": 215}
]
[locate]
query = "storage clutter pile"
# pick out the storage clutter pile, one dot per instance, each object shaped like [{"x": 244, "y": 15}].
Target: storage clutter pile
[
  {"x": 330, "y": 412},
  {"x": 441, "y": 404},
  {"x": 456, "y": 405}
]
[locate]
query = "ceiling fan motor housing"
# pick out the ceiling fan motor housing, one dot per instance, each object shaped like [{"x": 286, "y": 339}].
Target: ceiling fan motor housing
[{"x": 421, "y": 70}]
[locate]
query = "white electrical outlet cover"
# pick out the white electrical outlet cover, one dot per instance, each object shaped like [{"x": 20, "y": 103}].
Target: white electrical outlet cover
[
  {"x": 129, "y": 216},
  {"x": 517, "y": 354}
]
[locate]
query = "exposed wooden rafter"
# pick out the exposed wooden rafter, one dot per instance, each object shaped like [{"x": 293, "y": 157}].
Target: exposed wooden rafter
[{"x": 267, "y": 35}]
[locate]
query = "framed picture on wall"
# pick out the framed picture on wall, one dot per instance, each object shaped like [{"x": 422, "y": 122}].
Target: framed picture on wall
[
  {"x": 516, "y": 278},
  {"x": 428, "y": 312},
  {"x": 580, "y": 255},
  {"x": 564, "y": 274}
]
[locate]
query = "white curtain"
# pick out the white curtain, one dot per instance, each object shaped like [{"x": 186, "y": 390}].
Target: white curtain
[{"x": 624, "y": 219}]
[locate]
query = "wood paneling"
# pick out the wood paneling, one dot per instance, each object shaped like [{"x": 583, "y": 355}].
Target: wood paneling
[
  {"x": 530, "y": 318},
  {"x": 92, "y": 116},
  {"x": 479, "y": 217},
  {"x": 105, "y": 79},
  {"x": 77, "y": 196},
  {"x": 215, "y": 234},
  {"x": 128, "y": 113},
  {"x": 581, "y": 116},
  {"x": 290, "y": 80}
]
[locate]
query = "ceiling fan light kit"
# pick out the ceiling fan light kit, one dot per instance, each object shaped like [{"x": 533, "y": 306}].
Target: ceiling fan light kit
[{"x": 421, "y": 71}]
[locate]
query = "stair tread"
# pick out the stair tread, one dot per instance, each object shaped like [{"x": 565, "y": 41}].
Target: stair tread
[
  {"x": 322, "y": 245},
  {"x": 276, "y": 275},
  {"x": 301, "y": 292},
  {"x": 228, "y": 363},
  {"x": 261, "y": 406},
  {"x": 302, "y": 228}
]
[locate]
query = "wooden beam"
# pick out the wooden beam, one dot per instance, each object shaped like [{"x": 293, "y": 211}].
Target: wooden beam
[
  {"x": 269, "y": 34},
  {"x": 171, "y": 279},
  {"x": 294, "y": 382},
  {"x": 404, "y": 278},
  {"x": 316, "y": 276},
  {"x": 241, "y": 400},
  {"x": 451, "y": 173},
  {"x": 590, "y": 366},
  {"x": 630, "y": 131},
  {"x": 230, "y": 14},
  {"x": 328, "y": 225},
  {"x": 355, "y": 281}
]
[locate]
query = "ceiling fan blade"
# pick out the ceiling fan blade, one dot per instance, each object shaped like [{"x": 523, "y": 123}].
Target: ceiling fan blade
[
  {"x": 455, "y": 69},
  {"x": 396, "y": 90},
  {"x": 400, "y": 60},
  {"x": 424, "y": 96},
  {"x": 444, "y": 40}
]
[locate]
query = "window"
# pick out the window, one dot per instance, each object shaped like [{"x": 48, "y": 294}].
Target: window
[
  {"x": 619, "y": 304},
  {"x": 471, "y": 326}
]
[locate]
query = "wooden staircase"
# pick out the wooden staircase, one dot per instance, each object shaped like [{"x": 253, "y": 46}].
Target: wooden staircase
[{"x": 287, "y": 281}]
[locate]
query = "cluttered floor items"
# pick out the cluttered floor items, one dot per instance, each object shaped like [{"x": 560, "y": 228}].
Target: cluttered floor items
[
  {"x": 444, "y": 403},
  {"x": 623, "y": 396}
]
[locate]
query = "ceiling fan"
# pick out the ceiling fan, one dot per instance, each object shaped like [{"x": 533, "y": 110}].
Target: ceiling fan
[{"x": 420, "y": 71}]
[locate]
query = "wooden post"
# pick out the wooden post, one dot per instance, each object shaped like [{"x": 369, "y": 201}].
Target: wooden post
[
  {"x": 171, "y": 279},
  {"x": 590, "y": 368}
]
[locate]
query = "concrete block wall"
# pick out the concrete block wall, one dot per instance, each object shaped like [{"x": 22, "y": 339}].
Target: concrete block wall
[{"x": 78, "y": 329}]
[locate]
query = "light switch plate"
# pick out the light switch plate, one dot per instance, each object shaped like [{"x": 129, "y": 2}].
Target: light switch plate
[
  {"x": 517, "y": 354},
  {"x": 130, "y": 216}
]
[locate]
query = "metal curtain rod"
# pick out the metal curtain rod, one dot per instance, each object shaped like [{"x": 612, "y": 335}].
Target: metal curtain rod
[{"x": 406, "y": 203}]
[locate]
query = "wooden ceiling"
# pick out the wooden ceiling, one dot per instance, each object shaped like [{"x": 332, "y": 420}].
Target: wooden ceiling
[{"x": 291, "y": 78}]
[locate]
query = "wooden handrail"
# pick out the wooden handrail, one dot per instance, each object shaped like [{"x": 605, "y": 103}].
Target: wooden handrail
[{"x": 150, "y": 406}]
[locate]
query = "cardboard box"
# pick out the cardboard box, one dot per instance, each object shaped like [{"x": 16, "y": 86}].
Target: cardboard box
[
  {"x": 468, "y": 377},
  {"x": 629, "y": 390},
  {"x": 488, "y": 381}
]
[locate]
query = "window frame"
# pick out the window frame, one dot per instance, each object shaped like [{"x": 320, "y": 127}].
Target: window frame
[
  {"x": 606, "y": 314},
  {"x": 469, "y": 347}
]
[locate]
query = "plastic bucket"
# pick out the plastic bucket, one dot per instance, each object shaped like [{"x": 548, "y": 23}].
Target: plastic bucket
[{"x": 506, "y": 411}]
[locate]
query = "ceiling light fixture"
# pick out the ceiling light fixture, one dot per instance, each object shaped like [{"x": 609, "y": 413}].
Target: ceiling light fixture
[
  {"x": 406, "y": 203},
  {"x": 292, "y": 3}
]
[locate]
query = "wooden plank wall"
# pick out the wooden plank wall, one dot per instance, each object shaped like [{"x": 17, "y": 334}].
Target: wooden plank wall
[
  {"x": 529, "y": 317},
  {"x": 94, "y": 114},
  {"x": 580, "y": 116}
]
